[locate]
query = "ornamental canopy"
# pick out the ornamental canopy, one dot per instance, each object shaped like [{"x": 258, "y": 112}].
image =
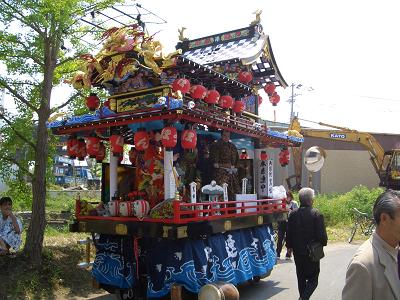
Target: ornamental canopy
[
  {"x": 144, "y": 92},
  {"x": 246, "y": 48}
]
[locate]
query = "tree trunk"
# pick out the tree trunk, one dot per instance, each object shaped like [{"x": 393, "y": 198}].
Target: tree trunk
[{"x": 34, "y": 239}]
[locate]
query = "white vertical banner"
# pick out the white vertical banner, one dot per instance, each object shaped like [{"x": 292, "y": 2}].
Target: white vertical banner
[
  {"x": 169, "y": 177},
  {"x": 270, "y": 177},
  {"x": 225, "y": 187},
  {"x": 261, "y": 169},
  {"x": 244, "y": 185}
]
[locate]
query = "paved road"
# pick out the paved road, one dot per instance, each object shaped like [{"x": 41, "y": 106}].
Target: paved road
[{"x": 282, "y": 283}]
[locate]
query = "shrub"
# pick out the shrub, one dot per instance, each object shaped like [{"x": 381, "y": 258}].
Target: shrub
[
  {"x": 338, "y": 208},
  {"x": 60, "y": 202}
]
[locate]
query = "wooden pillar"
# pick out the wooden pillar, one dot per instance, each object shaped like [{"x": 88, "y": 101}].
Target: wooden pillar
[
  {"x": 193, "y": 192},
  {"x": 169, "y": 176},
  {"x": 113, "y": 175}
]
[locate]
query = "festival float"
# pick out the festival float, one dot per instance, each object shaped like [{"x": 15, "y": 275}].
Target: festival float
[{"x": 186, "y": 199}]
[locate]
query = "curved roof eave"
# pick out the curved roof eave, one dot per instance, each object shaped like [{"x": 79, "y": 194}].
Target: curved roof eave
[{"x": 275, "y": 66}]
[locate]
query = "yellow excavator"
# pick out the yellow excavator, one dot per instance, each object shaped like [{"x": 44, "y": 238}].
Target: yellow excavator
[{"x": 385, "y": 163}]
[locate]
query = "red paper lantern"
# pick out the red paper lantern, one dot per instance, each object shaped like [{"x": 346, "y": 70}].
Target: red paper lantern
[
  {"x": 101, "y": 154},
  {"x": 141, "y": 208},
  {"x": 212, "y": 97},
  {"x": 181, "y": 84},
  {"x": 141, "y": 140},
  {"x": 72, "y": 147},
  {"x": 284, "y": 157},
  {"x": 269, "y": 88},
  {"x": 92, "y": 146},
  {"x": 245, "y": 77},
  {"x": 226, "y": 101},
  {"x": 198, "y": 92},
  {"x": 107, "y": 104},
  {"x": 274, "y": 99},
  {"x": 189, "y": 139},
  {"x": 81, "y": 149},
  {"x": 117, "y": 144},
  {"x": 169, "y": 137},
  {"x": 260, "y": 100},
  {"x": 92, "y": 102},
  {"x": 263, "y": 155},
  {"x": 238, "y": 107}
]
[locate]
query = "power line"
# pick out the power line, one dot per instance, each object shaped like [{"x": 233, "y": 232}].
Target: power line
[
  {"x": 379, "y": 98},
  {"x": 336, "y": 107}
]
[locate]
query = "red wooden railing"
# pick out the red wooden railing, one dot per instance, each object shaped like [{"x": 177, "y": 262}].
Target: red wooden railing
[{"x": 195, "y": 212}]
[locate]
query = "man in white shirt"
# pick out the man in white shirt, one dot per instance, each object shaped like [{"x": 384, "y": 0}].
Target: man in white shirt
[{"x": 373, "y": 271}]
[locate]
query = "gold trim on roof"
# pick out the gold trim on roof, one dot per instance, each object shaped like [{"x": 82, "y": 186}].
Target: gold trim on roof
[
  {"x": 267, "y": 53},
  {"x": 258, "y": 17},
  {"x": 181, "y": 36}
]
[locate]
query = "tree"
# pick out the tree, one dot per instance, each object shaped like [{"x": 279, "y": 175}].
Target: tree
[{"x": 32, "y": 38}]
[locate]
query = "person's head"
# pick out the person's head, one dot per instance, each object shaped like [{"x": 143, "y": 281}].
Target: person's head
[
  {"x": 5, "y": 205},
  {"x": 226, "y": 136},
  {"x": 306, "y": 196},
  {"x": 386, "y": 213},
  {"x": 289, "y": 196}
]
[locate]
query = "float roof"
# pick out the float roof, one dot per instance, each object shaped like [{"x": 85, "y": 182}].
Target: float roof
[{"x": 249, "y": 46}]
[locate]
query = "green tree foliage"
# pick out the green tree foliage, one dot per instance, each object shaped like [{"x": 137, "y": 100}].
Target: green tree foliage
[
  {"x": 21, "y": 193},
  {"x": 33, "y": 35}
]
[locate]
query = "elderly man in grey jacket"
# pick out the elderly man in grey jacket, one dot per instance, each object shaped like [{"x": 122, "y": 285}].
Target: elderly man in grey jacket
[
  {"x": 373, "y": 271},
  {"x": 305, "y": 225}
]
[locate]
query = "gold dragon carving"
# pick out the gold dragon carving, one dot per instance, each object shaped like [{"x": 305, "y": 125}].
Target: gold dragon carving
[{"x": 112, "y": 62}]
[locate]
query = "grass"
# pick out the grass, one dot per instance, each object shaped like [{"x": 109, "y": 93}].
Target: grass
[
  {"x": 341, "y": 233},
  {"x": 61, "y": 203},
  {"x": 57, "y": 278},
  {"x": 338, "y": 233}
]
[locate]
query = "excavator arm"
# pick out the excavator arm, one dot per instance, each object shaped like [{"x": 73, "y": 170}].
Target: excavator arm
[
  {"x": 344, "y": 134},
  {"x": 375, "y": 150}
]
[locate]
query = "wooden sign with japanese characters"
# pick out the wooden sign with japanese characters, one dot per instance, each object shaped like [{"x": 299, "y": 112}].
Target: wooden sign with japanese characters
[{"x": 265, "y": 178}]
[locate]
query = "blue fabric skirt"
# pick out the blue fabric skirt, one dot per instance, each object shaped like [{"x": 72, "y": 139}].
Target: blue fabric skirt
[{"x": 234, "y": 256}]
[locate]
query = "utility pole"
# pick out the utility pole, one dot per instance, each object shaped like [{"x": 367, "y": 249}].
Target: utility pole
[
  {"x": 291, "y": 103},
  {"x": 292, "y": 98}
]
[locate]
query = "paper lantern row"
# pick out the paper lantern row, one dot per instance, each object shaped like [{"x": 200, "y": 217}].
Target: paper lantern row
[{"x": 94, "y": 147}]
